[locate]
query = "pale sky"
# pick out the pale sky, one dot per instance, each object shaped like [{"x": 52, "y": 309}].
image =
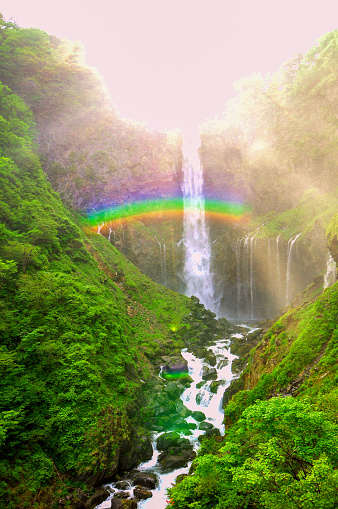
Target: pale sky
[{"x": 171, "y": 63}]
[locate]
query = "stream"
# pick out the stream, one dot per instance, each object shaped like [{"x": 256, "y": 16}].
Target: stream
[{"x": 205, "y": 396}]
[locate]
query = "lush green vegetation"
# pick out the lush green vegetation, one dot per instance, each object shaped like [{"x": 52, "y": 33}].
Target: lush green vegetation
[
  {"x": 78, "y": 326},
  {"x": 276, "y": 146},
  {"x": 277, "y": 139},
  {"x": 280, "y": 454}
]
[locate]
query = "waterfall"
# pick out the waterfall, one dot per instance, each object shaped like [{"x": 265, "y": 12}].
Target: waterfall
[
  {"x": 238, "y": 263},
  {"x": 331, "y": 271},
  {"x": 251, "y": 278},
  {"x": 163, "y": 262},
  {"x": 291, "y": 243},
  {"x": 197, "y": 265}
]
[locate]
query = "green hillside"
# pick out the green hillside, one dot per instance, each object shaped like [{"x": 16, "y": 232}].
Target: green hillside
[{"x": 78, "y": 326}]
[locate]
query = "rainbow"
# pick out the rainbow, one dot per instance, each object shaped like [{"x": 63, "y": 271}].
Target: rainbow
[{"x": 220, "y": 210}]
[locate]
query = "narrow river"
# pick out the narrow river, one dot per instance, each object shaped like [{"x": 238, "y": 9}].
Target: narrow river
[{"x": 202, "y": 395}]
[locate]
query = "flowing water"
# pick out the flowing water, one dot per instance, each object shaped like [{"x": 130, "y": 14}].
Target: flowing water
[
  {"x": 197, "y": 264},
  {"x": 197, "y": 397}
]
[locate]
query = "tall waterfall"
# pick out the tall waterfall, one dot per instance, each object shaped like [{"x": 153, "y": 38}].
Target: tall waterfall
[
  {"x": 331, "y": 271},
  {"x": 197, "y": 264}
]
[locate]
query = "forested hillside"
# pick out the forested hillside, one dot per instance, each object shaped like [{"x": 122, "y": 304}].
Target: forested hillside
[
  {"x": 83, "y": 331},
  {"x": 79, "y": 328},
  {"x": 276, "y": 146}
]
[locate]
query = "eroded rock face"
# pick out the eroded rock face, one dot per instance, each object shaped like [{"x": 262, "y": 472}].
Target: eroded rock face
[
  {"x": 333, "y": 248},
  {"x": 133, "y": 451},
  {"x": 96, "y": 499}
]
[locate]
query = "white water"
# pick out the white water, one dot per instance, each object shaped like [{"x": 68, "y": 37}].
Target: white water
[
  {"x": 197, "y": 265},
  {"x": 291, "y": 243},
  {"x": 209, "y": 404},
  {"x": 331, "y": 271}
]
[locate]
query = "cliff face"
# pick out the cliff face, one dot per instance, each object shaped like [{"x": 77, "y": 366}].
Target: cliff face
[{"x": 92, "y": 156}]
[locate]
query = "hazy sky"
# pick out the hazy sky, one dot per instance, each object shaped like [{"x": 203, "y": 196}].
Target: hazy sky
[{"x": 172, "y": 63}]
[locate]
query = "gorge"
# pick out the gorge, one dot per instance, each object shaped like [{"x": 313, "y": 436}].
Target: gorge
[{"x": 132, "y": 280}]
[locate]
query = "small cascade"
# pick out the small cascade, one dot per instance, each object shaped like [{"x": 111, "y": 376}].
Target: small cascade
[
  {"x": 268, "y": 274},
  {"x": 99, "y": 228},
  {"x": 197, "y": 265},
  {"x": 291, "y": 244},
  {"x": 202, "y": 396},
  {"x": 278, "y": 270},
  {"x": 163, "y": 262},
  {"x": 238, "y": 265},
  {"x": 252, "y": 240},
  {"x": 110, "y": 230},
  {"x": 245, "y": 257},
  {"x": 330, "y": 275}
]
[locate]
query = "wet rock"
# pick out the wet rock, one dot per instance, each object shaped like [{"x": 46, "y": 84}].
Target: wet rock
[
  {"x": 209, "y": 373},
  {"x": 182, "y": 410},
  {"x": 96, "y": 499},
  {"x": 222, "y": 363},
  {"x": 180, "y": 478},
  {"x": 78, "y": 499},
  {"x": 121, "y": 494},
  {"x": 133, "y": 451},
  {"x": 142, "y": 493},
  {"x": 205, "y": 425},
  {"x": 123, "y": 504},
  {"x": 209, "y": 433},
  {"x": 200, "y": 353},
  {"x": 77, "y": 504},
  {"x": 147, "y": 480},
  {"x": 198, "y": 416},
  {"x": 181, "y": 425},
  {"x": 213, "y": 432},
  {"x": 178, "y": 460},
  {"x": 172, "y": 390},
  {"x": 215, "y": 384},
  {"x": 210, "y": 358},
  {"x": 167, "y": 440},
  {"x": 200, "y": 384},
  {"x": 122, "y": 485}
]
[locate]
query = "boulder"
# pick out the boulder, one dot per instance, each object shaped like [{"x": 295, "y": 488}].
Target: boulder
[
  {"x": 173, "y": 461},
  {"x": 122, "y": 485},
  {"x": 96, "y": 499},
  {"x": 209, "y": 373},
  {"x": 141, "y": 493},
  {"x": 167, "y": 440},
  {"x": 222, "y": 363},
  {"x": 133, "y": 451},
  {"x": 198, "y": 416},
  {"x": 205, "y": 425},
  {"x": 215, "y": 384},
  {"x": 210, "y": 358},
  {"x": 172, "y": 390},
  {"x": 181, "y": 425},
  {"x": 209, "y": 433},
  {"x": 182, "y": 410},
  {"x": 147, "y": 480},
  {"x": 117, "y": 503},
  {"x": 121, "y": 494}
]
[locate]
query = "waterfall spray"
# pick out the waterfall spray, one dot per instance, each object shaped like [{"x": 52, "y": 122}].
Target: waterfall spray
[{"x": 197, "y": 265}]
